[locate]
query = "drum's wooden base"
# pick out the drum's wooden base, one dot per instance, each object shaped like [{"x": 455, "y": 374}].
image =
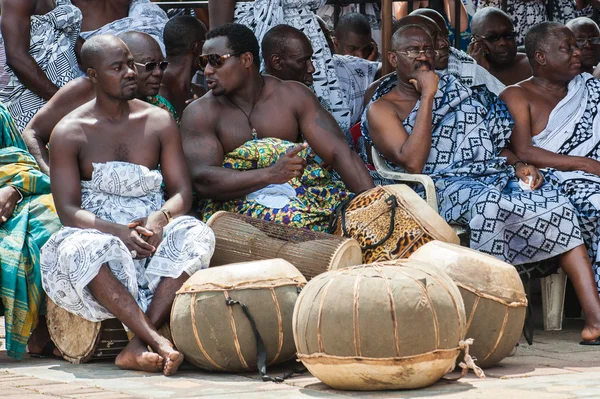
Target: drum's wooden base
[{"x": 80, "y": 340}]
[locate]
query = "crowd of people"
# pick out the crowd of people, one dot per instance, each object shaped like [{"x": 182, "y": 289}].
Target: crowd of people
[{"x": 124, "y": 130}]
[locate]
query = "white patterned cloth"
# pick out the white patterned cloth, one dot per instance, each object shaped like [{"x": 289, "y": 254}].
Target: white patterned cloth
[
  {"x": 262, "y": 15},
  {"x": 355, "y": 75},
  {"x": 120, "y": 192},
  {"x": 464, "y": 67},
  {"x": 52, "y": 46}
]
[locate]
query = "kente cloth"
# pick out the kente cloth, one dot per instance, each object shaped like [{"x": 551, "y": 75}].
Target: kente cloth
[
  {"x": 120, "y": 192},
  {"x": 355, "y": 75},
  {"x": 163, "y": 103},
  {"x": 574, "y": 129},
  {"x": 262, "y": 15},
  {"x": 317, "y": 191},
  {"x": 52, "y": 46},
  {"x": 21, "y": 237},
  {"x": 372, "y": 12},
  {"x": 464, "y": 68},
  {"x": 526, "y": 14},
  {"x": 477, "y": 189}
]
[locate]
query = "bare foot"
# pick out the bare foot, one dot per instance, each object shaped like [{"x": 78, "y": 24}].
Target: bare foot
[
  {"x": 135, "y": 356},
  {"x": 173, "y": 358},
  {"x": 590, "y": 332}
]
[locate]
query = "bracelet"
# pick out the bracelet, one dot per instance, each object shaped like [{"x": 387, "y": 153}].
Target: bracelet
[
  {"x": 167, "y": 214},
  {"x": 19, "y": 192},
  {"x": 514, "y": 165}
]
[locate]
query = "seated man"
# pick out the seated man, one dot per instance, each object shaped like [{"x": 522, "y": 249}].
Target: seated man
[
  {"x": 371, "y": 10},
  {"x": 587, "y": 35},
  {"x": 149, "y": 64},
  {"x": 494, "y": 46},
  {"x": 556, "y": 123},
  {"x": 353, "y": 37},
  {"x": 241, "y": 141},
  {"x": 138, "y": 248},
  {"x": 288, "y": 56},
  {"x": 39, "y": 40},
  {"x": 421, "y": 123},
  {"x": 27, "y": 220}
]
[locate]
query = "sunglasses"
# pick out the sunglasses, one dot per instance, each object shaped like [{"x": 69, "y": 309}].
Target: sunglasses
[
  {"x": 215, "y": 60},
  {"x": 151, "y": 66},
  {"x": 495, "y": 38},
  {"x": 592, "y": 40}
]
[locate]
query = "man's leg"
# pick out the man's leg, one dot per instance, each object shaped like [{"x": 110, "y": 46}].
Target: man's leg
[
  {"x": 114, "y": 296},
  {"x": 577, "y": 266}
]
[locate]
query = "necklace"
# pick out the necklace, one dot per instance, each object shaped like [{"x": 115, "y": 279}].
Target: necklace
[{"x": 249, "y": 115}]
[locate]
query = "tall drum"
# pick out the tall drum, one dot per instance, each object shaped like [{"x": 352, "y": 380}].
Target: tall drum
[{"x": 241, "y": 238}]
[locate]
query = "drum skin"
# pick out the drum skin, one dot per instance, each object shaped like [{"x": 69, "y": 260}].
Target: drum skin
[
  {"x": 217, "y": 337},
  {"x": 368, "y": 217},
  {"x": 493, "y": 293},
  {"x": 388, "y": 325}
]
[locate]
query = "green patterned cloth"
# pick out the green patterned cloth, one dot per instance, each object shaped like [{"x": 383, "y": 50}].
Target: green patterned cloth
[
  {"x": 317, "y": 192},
  {"x": 21, "y": 237},
  {"x": 163, "y": 103}
]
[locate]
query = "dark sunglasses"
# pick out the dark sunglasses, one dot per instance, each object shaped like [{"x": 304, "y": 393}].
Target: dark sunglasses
[
  {"x": 151, "y": 66},
  {"x": 593, "y": 40},
  {"x": 495, "y": 38},
  {"x": 215, "y": 60}
]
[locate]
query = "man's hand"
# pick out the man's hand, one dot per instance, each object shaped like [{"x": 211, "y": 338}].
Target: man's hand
[
  {"x": 426, "y": 83},
  {"x": 374, "y": 55},
  {"x": 523, "y": 171},
  {"x": 132, "y": 238},
  {"x": 8, "y": 201},
  {"x": 478, "y": 50},
  {"x": 151, "y": 228},
  {"x": 290, "y": 165}
]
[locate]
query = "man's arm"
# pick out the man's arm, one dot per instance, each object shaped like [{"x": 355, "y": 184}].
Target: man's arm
[
  {"x": 220, "y": 12},
  {"x": 521, "y": 139},
  {"x": 204, "y": 154},
  {"x": 16, "y": 16},
  {"x": 327, "y": 140},
  {"x": 37, "y": 132}
]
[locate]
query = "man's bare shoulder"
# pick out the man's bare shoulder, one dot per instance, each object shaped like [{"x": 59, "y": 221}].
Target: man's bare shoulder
[
  {"x": 20, "y": 6},
  {"x": 385, "y": 106},
  {"x": 206, "y": 108},
  {"x": 286, "y": 87},
  {"x": 517, "y": 93},
  {"x": 72, "y": 127}
]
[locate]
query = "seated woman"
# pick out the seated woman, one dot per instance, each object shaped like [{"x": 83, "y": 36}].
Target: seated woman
[{"x": 27, "y": 220}]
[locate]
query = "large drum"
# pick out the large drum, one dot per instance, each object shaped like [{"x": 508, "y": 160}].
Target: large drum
[
  {"x": 390, "y": 222},
  {"x": 493, "y": 294},
  {"x": 210, "y": 325},
  {"x": 390, "y": 325},
  {"x": 80, "y": 340},
  {"x": 241, "y": 238}
]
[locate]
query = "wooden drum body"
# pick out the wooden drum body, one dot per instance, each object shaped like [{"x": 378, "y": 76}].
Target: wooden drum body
[
  {"x": 217, "y": 336},
  {"x": 241, "y": 238},
  {"x": 493, "y": 294},
  {"x": 80, "y": 340},
  {"x": 391, "y": 222}
]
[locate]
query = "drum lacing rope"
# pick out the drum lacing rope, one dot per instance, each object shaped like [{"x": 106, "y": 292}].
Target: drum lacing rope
[
  {"x": 261, "y": 350},
  {"x": 468, "y": 362},
  {"x": 340, "y": 213}
]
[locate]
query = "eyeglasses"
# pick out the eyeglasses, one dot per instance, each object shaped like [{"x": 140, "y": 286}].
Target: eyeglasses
[
  {"x": 151, "y": 66},
  {"x": 495, "y": 38},
  {"x": 416, "y": 53},
  {"x": 592, "y": 40},
  {"x": 215, "y": 60}
]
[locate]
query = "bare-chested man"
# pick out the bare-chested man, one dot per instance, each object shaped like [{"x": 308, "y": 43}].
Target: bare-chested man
[
  {"x": 148, "y": 61},
  {"x": 253, "y": 123},
  {"x": 138, "y": 249},
  {"x": 422, "y": 123},
  {"x": 556, "y": 123},
  {"x": 494, "y": 46},
  {"x": 587, "y": 35}
]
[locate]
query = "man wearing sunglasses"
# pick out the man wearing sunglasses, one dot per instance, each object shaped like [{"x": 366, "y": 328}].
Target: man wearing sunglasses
[
  {"x": 557, "y": 124},
  {"x": 243, "y": 141},
  {"x": 149, "y": 64},
  {"x": 587, "y": 35},
  {"x": 494, "y": 46}
]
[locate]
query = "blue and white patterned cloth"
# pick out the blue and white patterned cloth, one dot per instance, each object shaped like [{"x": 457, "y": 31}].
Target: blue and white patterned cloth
[
  {"x": 463, "y": 67},
  {"x": 120, "y": 192},
  {"x": 477, "y": 189},
  {"x": 355, "y": 76}
]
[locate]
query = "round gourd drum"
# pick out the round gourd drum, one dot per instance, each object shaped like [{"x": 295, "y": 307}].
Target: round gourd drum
[
  {"x": 493, "y": 294},
  {"x": 80, "y": 340},
  {"x": 241, "y": 238},
  {"x": 215, "y": 334},
  {"x": 390, "y": 222},
  {"x": 389, "y": 325}
]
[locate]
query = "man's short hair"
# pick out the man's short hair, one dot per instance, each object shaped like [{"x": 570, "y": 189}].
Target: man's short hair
[
  {"x": 579, "y": 21},
  {"x": 397, "y": 36},
  {"x": 480, "y": 17},
  {"x": 92, "y": 50},
  {"x": 418, "y": 20},
  {"x": 278, "y": 38},
  {"x": 181, "y": 33},
  {"x": 240, "y": 39},
  {"x": 353, "y": 22},
  {"x": 538, "y": 36}
]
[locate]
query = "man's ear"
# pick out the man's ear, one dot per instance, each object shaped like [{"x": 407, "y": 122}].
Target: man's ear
[
  {"x": 336, "y": 43},
  {"x": 92, "y": 74},
  {"x": 393, "y": 59},
  {"x": 247, "y": 59},
  {"x": 540, "y": 57},
  {"x": 276, "y": 62},
  {"x": 197, "y": 48}
]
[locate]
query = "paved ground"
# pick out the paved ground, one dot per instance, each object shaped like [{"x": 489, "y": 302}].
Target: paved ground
[{"x": 554, "y": 367}]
